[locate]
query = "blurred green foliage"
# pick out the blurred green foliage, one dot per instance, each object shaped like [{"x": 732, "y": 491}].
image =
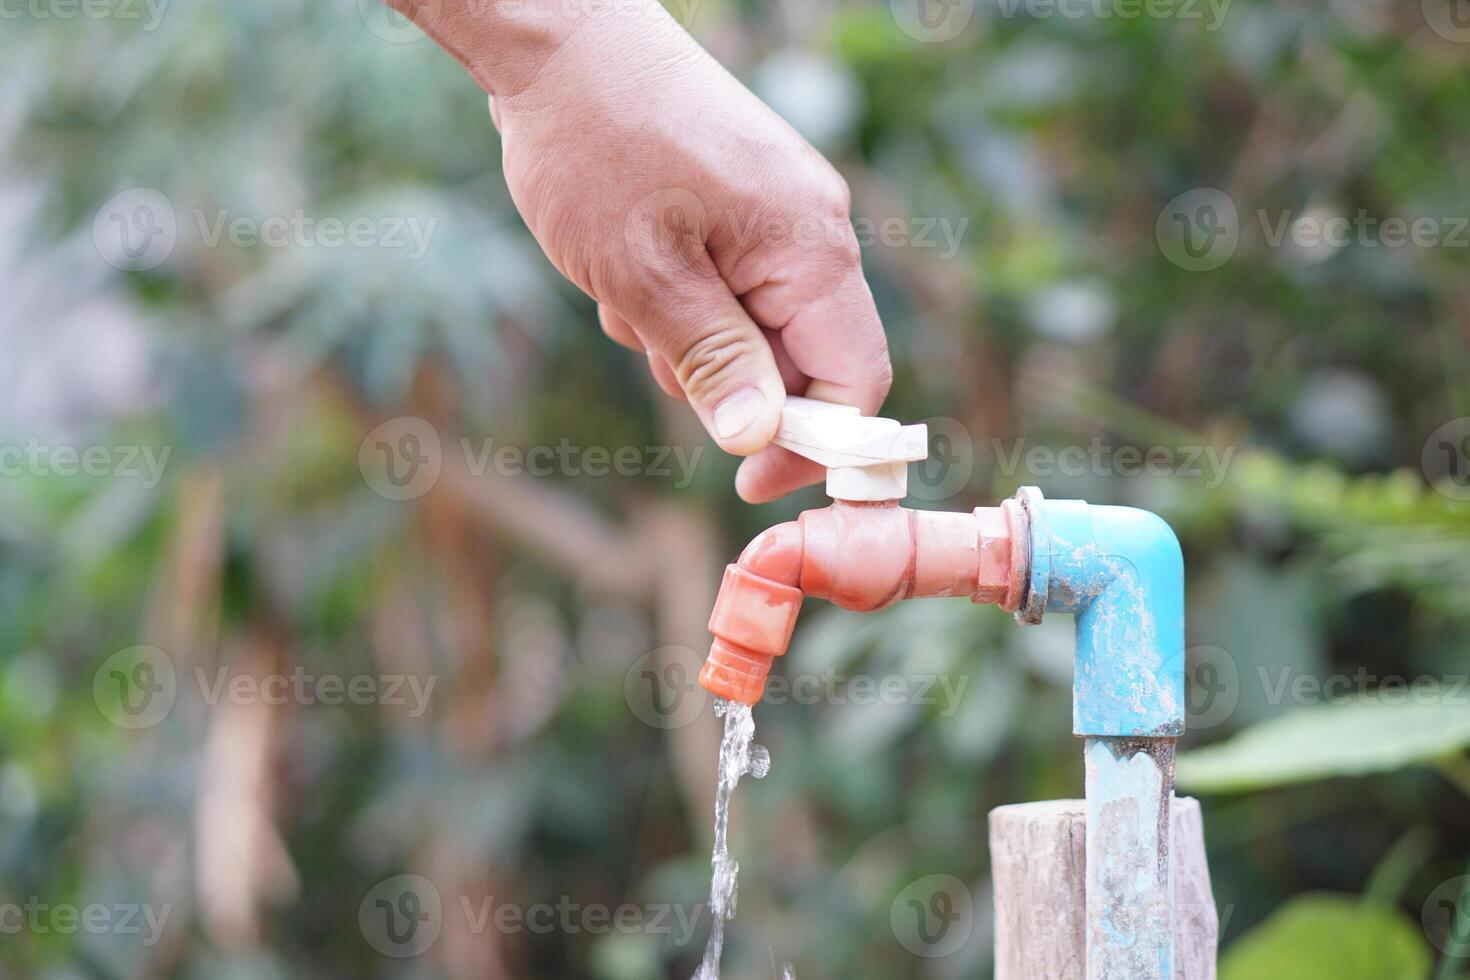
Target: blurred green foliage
[{"x": 1330, "y": 539}]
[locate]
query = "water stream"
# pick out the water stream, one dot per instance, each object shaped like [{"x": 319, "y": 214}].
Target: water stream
[{"x": 738, "y": 755}]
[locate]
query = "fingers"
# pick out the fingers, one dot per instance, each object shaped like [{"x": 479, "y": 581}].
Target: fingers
[
  {"x": 791, "y": 375},
  {"x": 774, "y": 472},
  {"x": 834, "y": 336},
  {"x": 720, "y": 360},
  {"x": 832, "y": 331},
  {"x": 621, "y": 331},
  {"x": 618, "y": 329},
  {"x": 664, "y": 375}
]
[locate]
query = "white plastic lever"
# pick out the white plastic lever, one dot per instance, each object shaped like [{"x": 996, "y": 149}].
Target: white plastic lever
[{"x": 866, "y": 457}]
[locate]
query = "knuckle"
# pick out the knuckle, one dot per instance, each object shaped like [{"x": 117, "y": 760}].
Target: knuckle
[
  {"x": 835, "y": 195},
  {"x": 831, "y": 202},
  {"x": 844, "y": 252},
  {"x": 707, "y": 362}
]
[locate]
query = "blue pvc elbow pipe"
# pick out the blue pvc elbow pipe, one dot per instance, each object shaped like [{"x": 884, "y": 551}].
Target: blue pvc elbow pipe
[{"x": 1120, "y": 571}]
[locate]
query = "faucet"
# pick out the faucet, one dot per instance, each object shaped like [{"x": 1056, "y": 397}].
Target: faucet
[
  {"x": 1118, "y": 570},
  {"x": 863, "y": 553}
]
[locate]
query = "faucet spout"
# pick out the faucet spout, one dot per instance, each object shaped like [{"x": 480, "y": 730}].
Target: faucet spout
[{"x": 863, "y": 556}]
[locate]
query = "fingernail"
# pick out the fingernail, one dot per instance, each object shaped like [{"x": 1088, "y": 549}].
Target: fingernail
[{"x": 736, "y": 412}]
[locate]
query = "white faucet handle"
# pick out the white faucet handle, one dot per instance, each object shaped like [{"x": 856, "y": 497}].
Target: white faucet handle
[{"x": 866, "y": 457}]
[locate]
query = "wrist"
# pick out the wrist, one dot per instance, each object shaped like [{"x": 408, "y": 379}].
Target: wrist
[{"x": 507, "y": 45}]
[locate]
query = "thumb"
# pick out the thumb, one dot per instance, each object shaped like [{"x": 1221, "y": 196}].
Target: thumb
[{"x": 721, "y": 360}]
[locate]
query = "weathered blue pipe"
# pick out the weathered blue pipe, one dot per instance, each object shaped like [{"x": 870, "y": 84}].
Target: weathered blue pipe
[{"x": 1120, "y": 571}]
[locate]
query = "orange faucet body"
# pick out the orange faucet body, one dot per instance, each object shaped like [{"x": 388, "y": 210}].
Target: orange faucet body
[{"x": 860, "y": 556}]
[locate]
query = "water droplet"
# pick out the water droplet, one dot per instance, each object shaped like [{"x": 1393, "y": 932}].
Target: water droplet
[{"x": 760, "y": 761}]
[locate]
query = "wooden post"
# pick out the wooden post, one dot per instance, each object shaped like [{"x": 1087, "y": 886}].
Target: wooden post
[{"x": 1038, "y": 855}]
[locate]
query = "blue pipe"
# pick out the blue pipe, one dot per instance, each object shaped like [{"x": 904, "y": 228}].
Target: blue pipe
[{"x": 1120, "y": 571}]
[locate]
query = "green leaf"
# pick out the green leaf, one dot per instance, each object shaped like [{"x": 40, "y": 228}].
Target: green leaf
[
  {"x": 1329, "y": 937},
  {"x": 1339, "y": 739}
]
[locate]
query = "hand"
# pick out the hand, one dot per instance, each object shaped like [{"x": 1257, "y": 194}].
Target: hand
[{"x": 711, "y": 235}]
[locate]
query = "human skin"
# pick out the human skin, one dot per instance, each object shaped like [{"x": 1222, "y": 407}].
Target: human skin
[{"x": 712, "y": 236}]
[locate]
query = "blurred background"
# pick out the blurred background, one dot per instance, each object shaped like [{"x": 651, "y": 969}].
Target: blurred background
[{"x": 352, "y": 584}]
